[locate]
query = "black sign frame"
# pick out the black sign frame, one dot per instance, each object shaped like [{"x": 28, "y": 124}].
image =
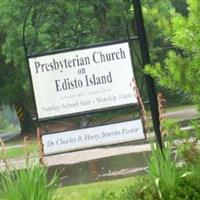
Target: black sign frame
[{"x": 33, "y": 55}]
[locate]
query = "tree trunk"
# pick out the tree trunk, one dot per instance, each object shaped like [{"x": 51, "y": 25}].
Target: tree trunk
[{"x": 25, "y": 119}]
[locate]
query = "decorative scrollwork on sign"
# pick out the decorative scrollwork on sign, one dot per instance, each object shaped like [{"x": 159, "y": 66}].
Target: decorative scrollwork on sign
[{"x": 75, "y": 23}]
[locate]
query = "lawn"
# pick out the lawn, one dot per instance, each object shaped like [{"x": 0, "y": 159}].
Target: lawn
[
  {"x": 19, "y": 151},
  {"x": 87, "y": 191}
]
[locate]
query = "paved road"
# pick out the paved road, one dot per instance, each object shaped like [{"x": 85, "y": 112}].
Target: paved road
[
  {"x": 184, "y": 114},
  {"x": 84, "y": 155},
  {"x": 9, "y": 135}
]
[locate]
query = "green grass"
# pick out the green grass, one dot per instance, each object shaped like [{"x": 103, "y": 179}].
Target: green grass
[
  {"x": 87, "y": 191},
  {"x": 10, "y": 129},
  {"x": 20, "y": 151},
  {"x": 20, "y": 139}
]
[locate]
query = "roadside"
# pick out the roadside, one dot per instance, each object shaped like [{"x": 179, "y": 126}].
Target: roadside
[
  {"x": 180, "y": 114},
  {"x": 15, "y": 151},
  {"x": 9, "y": 135}
]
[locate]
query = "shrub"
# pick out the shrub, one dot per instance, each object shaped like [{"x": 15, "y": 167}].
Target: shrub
[
  {"x": 144, "y": 189},
  {"x": 162, "y": 170},
  {"x": 106, "y": 195},
  {"x": 186, "y": 185},
  {"x": 189, "y": 184},
  {"x": 27, "y": 184}
]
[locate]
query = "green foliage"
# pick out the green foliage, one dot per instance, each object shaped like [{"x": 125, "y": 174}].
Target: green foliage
[
  {"x": 164, "y": 182},
  {"x": 140, "y": 188},
  {"x": 4, "y": 124},
  {"x": 88, "y": 191},
  {"x": 162, "y": 170},
  {"x": 51, "y": 25},
  {"x": 20, "y": 152},
  {"x": 158, "y": 23},
  {"x": 188, "y": 150},
  {"x": 106, "y": 195},
  {"x": 31, "y": 183},
  {"x": 189, "y": 187},
  {"x": 171, "y": 129},
  {"x": 67, "y": 24},
  {"x": 143, "y": 189},
  {"x": 180, "y": 70}
]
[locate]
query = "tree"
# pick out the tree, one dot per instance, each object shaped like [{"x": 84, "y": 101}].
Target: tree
[
  {"x": 13, "y": 73},
  {"x": 180, "y": 69},
  {"x": 50, "y": 25},
  {"x": 60, "y": 24}
]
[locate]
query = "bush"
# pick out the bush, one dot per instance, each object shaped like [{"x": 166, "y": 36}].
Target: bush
[
  {"x": 27, "y": 184},
  {"x": 143, "y": 190},
  {"x": 186, "y": 186},
  {"x": 162, "y": 170},
  {"x": 189, "y": 184},
  {"x": 106, "y": 195}
]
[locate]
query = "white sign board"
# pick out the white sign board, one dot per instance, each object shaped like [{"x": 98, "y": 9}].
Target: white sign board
[
  {"x": 82, "y": 80},
  {"x": 93, "y": 137}
]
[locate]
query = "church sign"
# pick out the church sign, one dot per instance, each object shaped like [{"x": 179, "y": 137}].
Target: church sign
[
  {"x": 82, "y": 80},
  {"x": 109, "y": 134}
]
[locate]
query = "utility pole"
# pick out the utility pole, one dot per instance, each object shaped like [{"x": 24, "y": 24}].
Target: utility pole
[{"x": 146, "y": 60}]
